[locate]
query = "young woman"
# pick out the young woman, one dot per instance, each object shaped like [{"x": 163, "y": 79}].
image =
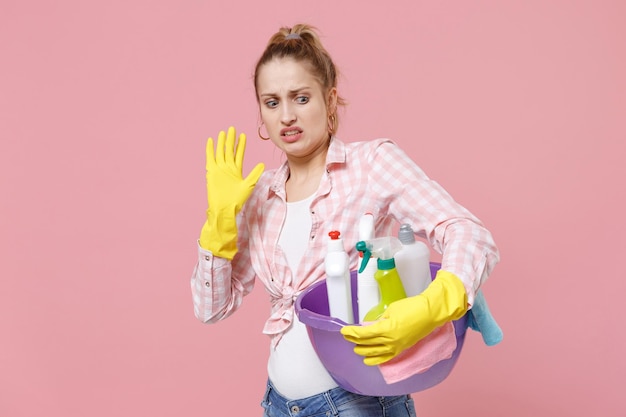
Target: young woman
[{"x": 274, "y": 226}]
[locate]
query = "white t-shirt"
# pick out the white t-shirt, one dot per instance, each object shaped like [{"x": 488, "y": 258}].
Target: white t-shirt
[{"x": 293, "y": 367}]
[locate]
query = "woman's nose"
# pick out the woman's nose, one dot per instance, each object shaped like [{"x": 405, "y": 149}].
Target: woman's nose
[{"x": 288, "y": 115}]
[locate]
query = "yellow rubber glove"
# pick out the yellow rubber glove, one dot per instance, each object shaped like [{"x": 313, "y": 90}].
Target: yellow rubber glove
[
  {"x": 408, "y": 320},
  {"x": 227, "y": 192}
]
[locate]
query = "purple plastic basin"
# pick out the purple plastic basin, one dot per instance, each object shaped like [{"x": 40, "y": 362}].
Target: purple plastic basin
[{"x": 345, "y": 366}]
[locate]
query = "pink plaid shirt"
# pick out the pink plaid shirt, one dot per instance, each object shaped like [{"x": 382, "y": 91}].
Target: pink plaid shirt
[{"x": 374, "y": 176}]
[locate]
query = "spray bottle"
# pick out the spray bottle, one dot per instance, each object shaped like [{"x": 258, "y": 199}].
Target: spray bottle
[
  {"x": 412, "y": 262},
  {"x": 368, "y": 294},
  {"x": 337, "y": 265},
  {"x": 389, "y": 282}
]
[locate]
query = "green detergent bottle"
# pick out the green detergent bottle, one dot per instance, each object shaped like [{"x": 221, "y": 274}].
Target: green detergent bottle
[{"x": 389, "y": 282}]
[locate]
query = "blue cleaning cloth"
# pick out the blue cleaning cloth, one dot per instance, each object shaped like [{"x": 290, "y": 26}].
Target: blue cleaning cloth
[{"x": 481, "y": 320}]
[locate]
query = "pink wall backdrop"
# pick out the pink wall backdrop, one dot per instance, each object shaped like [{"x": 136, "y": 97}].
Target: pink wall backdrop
[{"x": 517, "y": 108}]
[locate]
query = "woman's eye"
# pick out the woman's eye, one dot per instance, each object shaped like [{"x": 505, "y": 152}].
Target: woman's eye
[
  {"x": 302, "y": 99},
  {"x": 271, "y": 103}
]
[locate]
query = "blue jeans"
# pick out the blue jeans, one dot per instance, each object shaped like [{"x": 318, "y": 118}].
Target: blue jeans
[{"x": 336, "y": 403}]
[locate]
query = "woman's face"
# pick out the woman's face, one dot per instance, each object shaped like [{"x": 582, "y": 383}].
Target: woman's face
[{"x": 294, "y": 108}]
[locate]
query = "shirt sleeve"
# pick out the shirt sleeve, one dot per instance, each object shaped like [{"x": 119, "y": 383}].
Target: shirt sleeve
[
  {"x": 467, "y": 247},
  {"x": 216, "y": 290}
]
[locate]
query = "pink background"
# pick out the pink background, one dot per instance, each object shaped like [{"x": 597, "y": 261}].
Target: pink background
[{"x": 517, "y": 108}]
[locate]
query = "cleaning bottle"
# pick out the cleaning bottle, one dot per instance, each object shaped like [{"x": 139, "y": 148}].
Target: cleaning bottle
[
  {"x": 412, "y": 262},
  {"x": 337, "y": 265},
  {"x": 389, "y": 282},
  {"x": 368, "y": 294}
]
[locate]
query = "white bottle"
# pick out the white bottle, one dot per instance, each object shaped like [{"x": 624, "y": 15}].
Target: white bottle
[
  {"x": 368, "y": 293},
  {"x": 413, "y": 262},
  {"x": 337, "y": 265}
]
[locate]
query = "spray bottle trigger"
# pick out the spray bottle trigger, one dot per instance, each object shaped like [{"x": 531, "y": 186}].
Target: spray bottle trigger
[{"x": 361, "y": 246}]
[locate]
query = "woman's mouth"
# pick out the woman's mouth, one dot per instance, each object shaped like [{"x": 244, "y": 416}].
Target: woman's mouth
[{"x": 290, "y": 134}]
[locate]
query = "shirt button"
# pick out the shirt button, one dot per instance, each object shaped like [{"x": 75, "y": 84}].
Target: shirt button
[
  {"x": 295, "y": 409},
  {"x": 207, "y": 283},
  {"x": 207, "y": 258}
]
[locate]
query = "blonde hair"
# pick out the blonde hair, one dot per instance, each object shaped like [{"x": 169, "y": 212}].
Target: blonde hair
[{"x": 302, "y": 43}]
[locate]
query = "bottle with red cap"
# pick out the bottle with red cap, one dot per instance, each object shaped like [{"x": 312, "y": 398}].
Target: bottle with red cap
[{"x": 337, "y": 265}]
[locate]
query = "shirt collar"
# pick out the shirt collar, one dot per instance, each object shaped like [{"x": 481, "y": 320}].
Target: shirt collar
[
  {"x": 336, "y": 155},
  {"x": 336, "y": 152}
]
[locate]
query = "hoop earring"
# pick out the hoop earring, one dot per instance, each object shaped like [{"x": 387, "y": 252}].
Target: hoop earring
[
  {"x": 331, "y": 123},
  {"x": 261, "y": 136}
]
